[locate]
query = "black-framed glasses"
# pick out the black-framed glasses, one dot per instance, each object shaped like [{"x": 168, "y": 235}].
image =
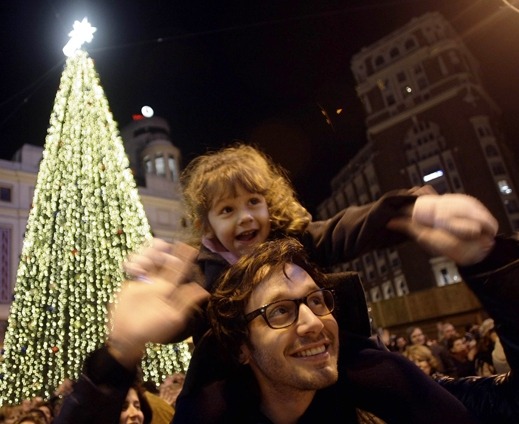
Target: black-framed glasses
[{"x": 283, "y": 313}]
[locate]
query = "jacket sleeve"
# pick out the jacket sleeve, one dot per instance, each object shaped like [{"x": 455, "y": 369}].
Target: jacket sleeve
[
  {"x": 356, "y": 229},
  {"x": 495, "y": 281},
  {"x": 99, "y": 393}
]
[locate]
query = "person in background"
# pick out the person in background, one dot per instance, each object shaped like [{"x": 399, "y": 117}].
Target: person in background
[
  {"x": 448, "y": 331},
  {"x": 135, "y": 409},
  {"x": 485, "y": 345},
  {"x": 423, "y": 357},
  {"x": 416, "y": 336},
  {"x": 162, "y": 411},
  {"x": 400, "y": 343},
  {"x": 171, "y": 387},
  {"x": 462, "y": 354}
]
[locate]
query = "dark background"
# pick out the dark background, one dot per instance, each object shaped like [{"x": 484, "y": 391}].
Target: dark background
[{"x": 256, "y": 70}]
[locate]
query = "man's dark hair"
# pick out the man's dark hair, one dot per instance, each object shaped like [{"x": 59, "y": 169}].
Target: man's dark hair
[{"x": 234, "y": 288}]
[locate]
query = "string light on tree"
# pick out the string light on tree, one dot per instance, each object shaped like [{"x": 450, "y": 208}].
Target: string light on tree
[{"x": 86, "y": 217}]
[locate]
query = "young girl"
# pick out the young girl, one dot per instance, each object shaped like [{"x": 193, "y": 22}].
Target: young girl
[{"x": 237, "y": 197}]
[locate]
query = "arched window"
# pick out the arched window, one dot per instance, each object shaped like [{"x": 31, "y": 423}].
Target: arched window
[
  {"x": 379, "y": 61},
  {"x": 491, "y": 151},
  {"x": 410, "y": 44}
]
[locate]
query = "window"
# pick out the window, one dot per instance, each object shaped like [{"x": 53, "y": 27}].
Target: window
[
  {"x": 5, "y": 269},
  {"x": 172, "y": 165},
  {"x": 160, "y": 165},
  {"x": 148, "y": 166},
  {"x": 498, "y": 169},
  {"x": 511, "y": 206},
  {"x": 390, "y": 99},
  {"x": 410, "y": 44},
  {"x": 454, "y": 58},
  {"x": 491, "y": 151},
  {"x": 387, "y": 289},
  {"x": 504, "y": 187},
  {"x": 375, "y": 294},
  {"x": 5, "y": 193},
  {"x": 379, "y": 61}
]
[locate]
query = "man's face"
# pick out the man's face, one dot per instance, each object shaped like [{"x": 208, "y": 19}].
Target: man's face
[
  {"x": 301, "y": 357},
  {"x": 448, "y": 331}
]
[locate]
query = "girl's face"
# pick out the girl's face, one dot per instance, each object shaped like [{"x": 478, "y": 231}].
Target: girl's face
[
  {"x": 131, "y": 412},
  {"x": 240, "y": 222}
]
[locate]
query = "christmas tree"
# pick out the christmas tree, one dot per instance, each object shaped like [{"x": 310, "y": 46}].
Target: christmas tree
[{"x": 86, "y": 217}]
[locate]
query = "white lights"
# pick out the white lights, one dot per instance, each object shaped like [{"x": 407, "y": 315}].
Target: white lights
[
  {"x": 504, "y": 187},
  {"x": 82, "y": 33},
  {"x": 433, "y": 176}
]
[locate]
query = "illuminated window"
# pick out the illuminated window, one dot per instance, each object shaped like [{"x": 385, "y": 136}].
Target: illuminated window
[
  {"x": 148, "y": 165},
  {"x": 433, "y": 176},
  {"x": 172, "y": 165},
  {"x": 160, "y": 167},
  {"x": 504, "y": 187}
]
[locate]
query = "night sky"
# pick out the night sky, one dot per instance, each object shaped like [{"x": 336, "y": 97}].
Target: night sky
[{"x": 256, "y": 70}]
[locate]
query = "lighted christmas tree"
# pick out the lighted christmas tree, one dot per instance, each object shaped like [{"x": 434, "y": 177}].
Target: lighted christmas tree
[{"x": 86, "y": 217}]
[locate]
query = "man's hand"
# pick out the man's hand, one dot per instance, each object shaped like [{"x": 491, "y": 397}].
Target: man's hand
[
  {"x": 157, "y": 304},
  {"x": 457, "y": 226}
]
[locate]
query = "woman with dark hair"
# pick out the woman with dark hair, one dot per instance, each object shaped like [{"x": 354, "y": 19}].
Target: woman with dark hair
[{"x": 136, "y": 409}]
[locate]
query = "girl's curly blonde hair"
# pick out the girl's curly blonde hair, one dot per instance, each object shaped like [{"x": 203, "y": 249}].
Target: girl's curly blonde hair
[{"x": 216, "y": 175}]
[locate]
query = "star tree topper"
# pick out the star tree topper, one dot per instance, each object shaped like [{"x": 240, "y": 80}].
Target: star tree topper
[{"x": 82, "y": 33}]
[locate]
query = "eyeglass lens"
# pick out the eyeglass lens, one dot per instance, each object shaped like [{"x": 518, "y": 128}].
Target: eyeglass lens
[{"x": 285, "y": 312}]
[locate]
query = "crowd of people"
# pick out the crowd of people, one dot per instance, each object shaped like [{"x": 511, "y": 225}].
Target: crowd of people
[
  {"x": 268, "y": 323},
  {"x": 474, "y": 350},
  {"x": 145, "y": 402}
]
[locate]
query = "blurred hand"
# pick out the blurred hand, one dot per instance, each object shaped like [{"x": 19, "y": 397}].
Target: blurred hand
[
  {"x": 441, "y": 242},
  {"x": 158, "y": 304},
  {"x": 458, "y": 214}
]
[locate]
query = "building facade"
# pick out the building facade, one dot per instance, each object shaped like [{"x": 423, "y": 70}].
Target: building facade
[{"x": 429, "y": 120}]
